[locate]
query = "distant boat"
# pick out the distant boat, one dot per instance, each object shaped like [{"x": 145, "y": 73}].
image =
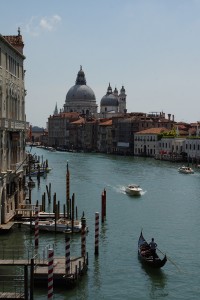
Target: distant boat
[
  {"x": 133, "y": 189},
  {"x": 186, "y": 170},
  {"x": 146, "y": 257},
  {"x": 51, "y": 149},
  {"x": 61, "y": 149}
]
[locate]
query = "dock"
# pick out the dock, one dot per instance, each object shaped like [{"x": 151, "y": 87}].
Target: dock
[
  {"x": 11, "y": 296},
  {"x": 6, "y": 227},
  {"x": 78, "y": 267}
]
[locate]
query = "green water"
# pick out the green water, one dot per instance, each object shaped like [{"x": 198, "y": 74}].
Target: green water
[{"x": 168, "y": 210}]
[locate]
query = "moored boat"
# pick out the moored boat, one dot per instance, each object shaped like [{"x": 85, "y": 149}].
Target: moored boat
[
  {"x": 37, "y": 173},
  {"x": 41, "y": 169},
  {"x": 146, "y": 257},
  {"x": 62, "y": 225},
  {"x": 134, "y": 190}
]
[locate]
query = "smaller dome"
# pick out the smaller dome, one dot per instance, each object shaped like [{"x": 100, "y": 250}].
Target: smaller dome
[{"x": 109, "y": 100}]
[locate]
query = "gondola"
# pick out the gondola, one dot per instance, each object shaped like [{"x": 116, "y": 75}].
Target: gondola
[{"x": 146, "y": 257}]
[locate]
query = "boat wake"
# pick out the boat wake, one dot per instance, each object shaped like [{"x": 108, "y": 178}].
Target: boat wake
[{"x": 120, "y": 189}]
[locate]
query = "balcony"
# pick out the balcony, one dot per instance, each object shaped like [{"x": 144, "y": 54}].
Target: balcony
[{"x": 12, "y": 124}]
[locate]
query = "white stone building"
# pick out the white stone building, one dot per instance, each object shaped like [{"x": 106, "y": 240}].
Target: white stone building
[
  {"x": 146, "y": 141},
  {"x": 12, "y": 125},
  {"x": 191, "y": 146}
]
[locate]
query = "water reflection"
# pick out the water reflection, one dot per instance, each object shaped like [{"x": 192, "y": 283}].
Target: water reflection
[
  {"x": 97, "y": 274},
  {"x": 158, "y": 282}
]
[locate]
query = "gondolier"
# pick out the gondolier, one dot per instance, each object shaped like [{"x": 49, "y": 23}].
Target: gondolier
[{"x": 153, "y": 247}]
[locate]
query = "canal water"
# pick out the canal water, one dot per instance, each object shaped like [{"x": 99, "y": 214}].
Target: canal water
[{"x": 168, "y": 210}]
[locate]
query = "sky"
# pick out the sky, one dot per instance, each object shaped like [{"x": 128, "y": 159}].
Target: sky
[{"x": 152, "y": 47}]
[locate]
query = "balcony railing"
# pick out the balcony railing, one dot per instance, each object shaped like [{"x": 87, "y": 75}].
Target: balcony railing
[{"x": 12, "y": 124}]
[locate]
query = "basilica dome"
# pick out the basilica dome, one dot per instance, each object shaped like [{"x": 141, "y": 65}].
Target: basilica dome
[
  {"x": 80, "y": 97},
  {"x": 80, "y": 93}
]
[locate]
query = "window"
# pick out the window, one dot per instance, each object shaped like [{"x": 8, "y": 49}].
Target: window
[
  {"x": 18, "y": 70},
  {"x": 6, "y": 61}
]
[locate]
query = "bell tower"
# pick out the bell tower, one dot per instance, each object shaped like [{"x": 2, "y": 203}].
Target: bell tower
[{"x": 122, "y": 100}]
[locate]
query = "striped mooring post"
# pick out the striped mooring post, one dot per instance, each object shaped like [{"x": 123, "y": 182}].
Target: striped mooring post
[
  {"x": 50, "y": 273},
  {"x": 67, "y": 254},
  {"x": 83, "y": 236},
  {"x": 36, "y": 226},
  {"x": 96, "y": 251}
]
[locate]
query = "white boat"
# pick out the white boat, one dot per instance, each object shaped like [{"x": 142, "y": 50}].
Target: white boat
[
  {"x": 133, "y": 189},
  {"x": 47, "y": 215},
  {"x": 62, "y": 225},
  {"x": 186, "y": 170}
]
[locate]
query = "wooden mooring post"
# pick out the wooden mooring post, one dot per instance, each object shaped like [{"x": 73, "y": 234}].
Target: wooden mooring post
[
  {"x": 96, "y": 251},
  {"x": 103, "y": 206}
]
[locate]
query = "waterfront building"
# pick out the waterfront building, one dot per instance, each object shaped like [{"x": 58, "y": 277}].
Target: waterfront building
[
  {"x": 191, "y": 146},
  {"x": 58, "y": 128},
  {"x": 83, "y": 134},
  {"x": 36, "y": 134},
  {"x": 124, "y": 128},
  {"x": 105, "y": 137},
  {"x": 146, "y": 141},
  {"x": 171, "y": 148},
  {"x": 12, "y": 124}
]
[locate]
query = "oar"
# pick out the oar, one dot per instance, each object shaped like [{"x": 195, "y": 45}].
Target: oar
[{"x": 170, "y": 260}]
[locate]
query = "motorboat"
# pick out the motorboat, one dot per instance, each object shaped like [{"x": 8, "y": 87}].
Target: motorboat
[
  {"x": 134, "y": 190},
  {"x": 186, "y": 170}
]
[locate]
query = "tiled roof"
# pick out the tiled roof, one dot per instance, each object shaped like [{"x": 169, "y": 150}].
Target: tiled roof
[
  {"x": 106, "y": 123},
  {"x": 79, "y": 121},
  {"x": 192, "y": 131},
  {"x": 153, "y": 130},
  {"x": 182, "y": 127},
  {"x": 66, "y": 115},
  {"x": 15, "y": 41}
]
